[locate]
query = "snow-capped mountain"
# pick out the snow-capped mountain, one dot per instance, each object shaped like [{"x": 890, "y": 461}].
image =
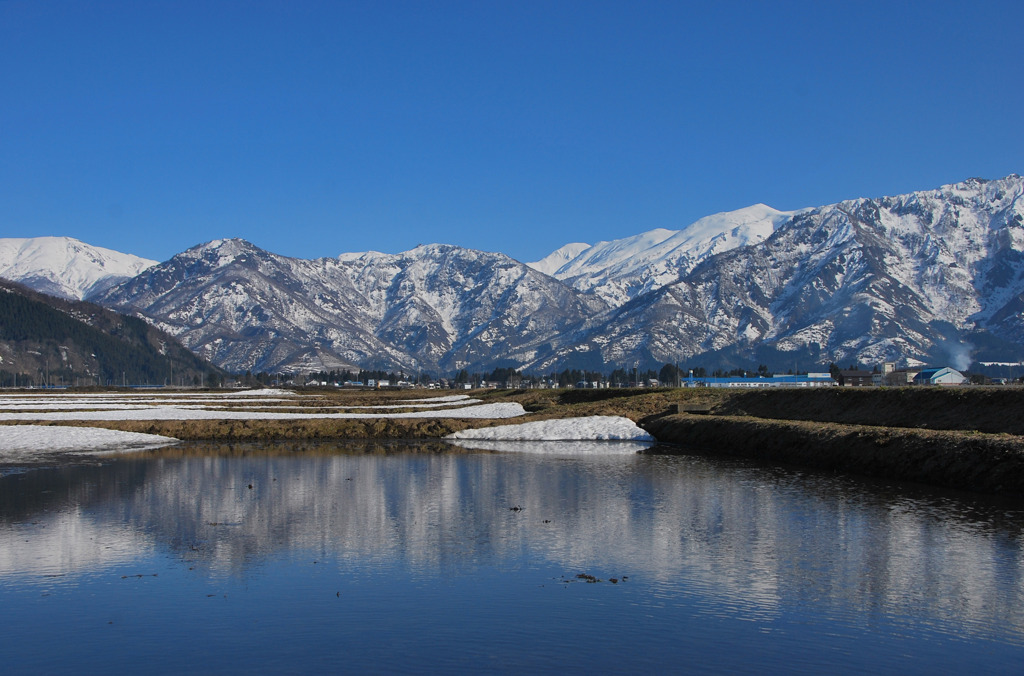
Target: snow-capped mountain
[
  {"x": 434, "y": 307},
  {"x": 561, "y": 256},
  {"x": 623, "y": 269},
  {"x": 66, "y": 267},
  {"x": 935, "y": 275}
]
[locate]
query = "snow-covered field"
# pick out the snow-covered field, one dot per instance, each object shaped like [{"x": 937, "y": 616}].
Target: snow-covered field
[
  {"x": 26, "y": 442},
  {"x": 23, "y": 441},
  {"x": 244, "y": 405}
]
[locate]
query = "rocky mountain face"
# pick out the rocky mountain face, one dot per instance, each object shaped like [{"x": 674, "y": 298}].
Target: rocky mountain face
[
  {"x": 933, "y": 275},
  {"x": 435, "y": 307},
  {"x": 65, "y": 267}
]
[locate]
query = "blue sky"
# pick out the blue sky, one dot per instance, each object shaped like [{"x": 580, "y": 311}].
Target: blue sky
[{"x": 316, "y": 128}]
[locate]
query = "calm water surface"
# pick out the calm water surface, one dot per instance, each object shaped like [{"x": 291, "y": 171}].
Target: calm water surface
[{"x": 301, "y": 559}]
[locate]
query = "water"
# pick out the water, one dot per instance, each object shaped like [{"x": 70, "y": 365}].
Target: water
[{"x": 417, "y": 558}]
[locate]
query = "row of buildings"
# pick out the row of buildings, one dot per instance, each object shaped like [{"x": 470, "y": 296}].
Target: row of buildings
[
  {"x": 888, "y": 376},
  {"x": 891, "y": 376}
]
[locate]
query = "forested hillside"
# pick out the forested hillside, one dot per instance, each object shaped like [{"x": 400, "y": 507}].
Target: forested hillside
[{"x": 50, "y": 341}]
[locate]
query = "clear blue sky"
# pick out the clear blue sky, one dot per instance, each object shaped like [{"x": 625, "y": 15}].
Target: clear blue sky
[{"x": 316, "y": 128}]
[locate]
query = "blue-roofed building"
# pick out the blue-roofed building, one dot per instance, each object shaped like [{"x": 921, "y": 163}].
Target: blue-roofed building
[{"x": 939, "y": 376}]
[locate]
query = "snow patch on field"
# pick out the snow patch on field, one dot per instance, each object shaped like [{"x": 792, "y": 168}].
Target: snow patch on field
[
  {"x": 591, "y": 428},
  {"x": 24, "y": 442},
  {"x": 164, "y": 412},
  {"x": 439, "y": 400},
  {"x": 570, "y": 448}
]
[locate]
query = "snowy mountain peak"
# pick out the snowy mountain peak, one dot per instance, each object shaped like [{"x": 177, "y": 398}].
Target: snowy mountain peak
[
  {"x": 225, "y": 247},
  {"x": 622, "y": 269},
  {"x": 757, "y": 221},
  {"x": 220, "y": 253},
  {"x": 66, "y": 267},
  {"x": 997, "y": 194},
  {"x": 358, "y": 255},
  {"x": 432, "y": 250},
  {"x": 419, "y": 251},
  {"x": 550, "y": 264}
]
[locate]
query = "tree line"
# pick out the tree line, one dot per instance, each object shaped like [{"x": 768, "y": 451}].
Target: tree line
[{"x": 668, "y": 375}]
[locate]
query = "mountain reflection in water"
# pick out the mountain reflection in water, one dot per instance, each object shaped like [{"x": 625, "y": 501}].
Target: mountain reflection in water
[{"x": 747, "y": 540}]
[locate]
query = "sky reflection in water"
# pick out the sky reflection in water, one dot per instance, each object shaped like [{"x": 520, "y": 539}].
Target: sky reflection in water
[{"x": 410, "y": 559}]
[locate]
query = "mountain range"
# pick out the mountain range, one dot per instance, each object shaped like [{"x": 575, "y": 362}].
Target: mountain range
[{"x": 935, "y": 276}]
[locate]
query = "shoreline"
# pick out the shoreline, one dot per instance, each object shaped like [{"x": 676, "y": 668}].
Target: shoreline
[
  {"x": 974, "y": 461},
  {"x": 968, "y": 438}
]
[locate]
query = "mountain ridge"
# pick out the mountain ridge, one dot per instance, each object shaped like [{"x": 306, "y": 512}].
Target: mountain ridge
[
  {"x": 929, "y": 275},
  {"x": 66, "y": 267},
  {"x": 448, "y": 307},
  {"x": 863, "y": 280},
  {"x": 621, "y": 269}
]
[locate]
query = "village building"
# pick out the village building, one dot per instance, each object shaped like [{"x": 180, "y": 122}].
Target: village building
[
  {"x": 890, "y": 376},
  {"x": 855, "y": 378},
  {"x": 939, "y": 376}
]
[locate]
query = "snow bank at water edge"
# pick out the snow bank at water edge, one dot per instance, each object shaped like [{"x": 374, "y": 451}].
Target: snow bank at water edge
[
  {"x": 561, "y": 448},
  {"x": 22, "y": 442},
  {"x": 594, "y": 435},
  {"x": 597, "y": 427}
]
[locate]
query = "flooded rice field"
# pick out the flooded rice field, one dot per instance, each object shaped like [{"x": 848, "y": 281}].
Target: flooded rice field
[{"x": 408, "y": 558}]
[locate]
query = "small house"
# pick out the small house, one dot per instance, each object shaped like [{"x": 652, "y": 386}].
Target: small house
[{"x": 855, "y": 378}]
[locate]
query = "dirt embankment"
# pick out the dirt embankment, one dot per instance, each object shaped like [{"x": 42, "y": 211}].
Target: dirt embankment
[
  {"x": 980, "y": 409},
  {"x": 969, "y": 438},
  {"x": 989, "y": 463}
]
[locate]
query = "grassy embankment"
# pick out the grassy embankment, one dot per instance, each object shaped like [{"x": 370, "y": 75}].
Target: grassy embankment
[{"x": 966, "y": 438}]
